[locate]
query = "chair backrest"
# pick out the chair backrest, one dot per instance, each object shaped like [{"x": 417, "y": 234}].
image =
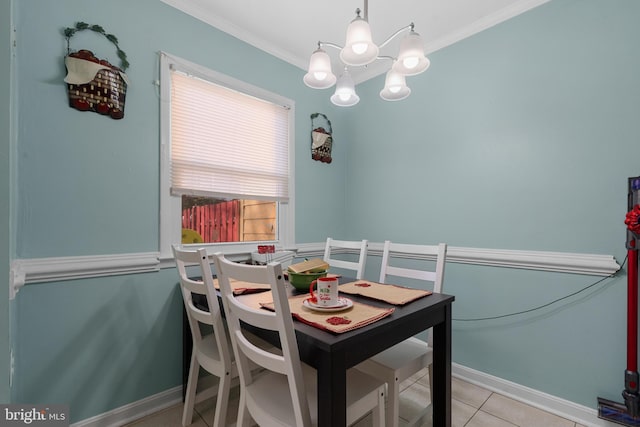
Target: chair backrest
[
  {"x": 203, "y": 286},
  {"x": 280, "y": 321},
  {"x": 360, "y": 246},
  {"x": 397, "y": 250}
]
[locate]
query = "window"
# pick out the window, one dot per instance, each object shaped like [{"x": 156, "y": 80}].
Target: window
[{"x": 227, "y": 161}]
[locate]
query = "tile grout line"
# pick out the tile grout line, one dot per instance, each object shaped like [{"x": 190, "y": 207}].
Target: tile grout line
[
  {"x": 494, "y": 415},
  {"x": 201, "y": 417},
  {"x": 477, "y": 410}
]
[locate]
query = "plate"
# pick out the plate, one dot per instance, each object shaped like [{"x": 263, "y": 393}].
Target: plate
[
  {"x": 345, "y": 303},
  {"x": 342, "y": 302}
]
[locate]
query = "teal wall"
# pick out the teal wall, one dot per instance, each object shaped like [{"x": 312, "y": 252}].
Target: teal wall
[
  {"x": 520, "y": 137},
  {"x": 82, "y": 174},
  {"x": 5, "y": 196},
  {"x": 88, "y": 185}
]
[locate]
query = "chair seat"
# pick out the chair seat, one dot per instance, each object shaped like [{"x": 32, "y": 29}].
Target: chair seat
[
  {"x": 209, "y": 356},
  {"x": 411, "y": 351},
  {"x": 271, "y": 390}
]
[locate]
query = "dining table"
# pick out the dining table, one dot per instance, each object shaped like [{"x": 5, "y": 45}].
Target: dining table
[{"x": 332, "y": 354}]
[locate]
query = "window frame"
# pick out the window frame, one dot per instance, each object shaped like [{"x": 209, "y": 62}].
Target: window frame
[{"x": 170, "y": 206}]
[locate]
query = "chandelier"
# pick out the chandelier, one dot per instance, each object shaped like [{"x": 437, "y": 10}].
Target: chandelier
[{"x": 360, "y": 50}]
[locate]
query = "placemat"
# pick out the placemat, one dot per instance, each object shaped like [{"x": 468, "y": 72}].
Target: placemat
[
  {"x": 240, "y": 288},
  {"x": 337, "y": 322},
  {"x": 393, "y": 294}
]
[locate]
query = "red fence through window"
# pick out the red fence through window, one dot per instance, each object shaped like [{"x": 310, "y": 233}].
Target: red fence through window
[{"x": 218, "y": 222}]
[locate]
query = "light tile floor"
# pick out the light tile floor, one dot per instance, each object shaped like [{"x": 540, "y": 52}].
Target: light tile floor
[{"x": 472, "y": 406}]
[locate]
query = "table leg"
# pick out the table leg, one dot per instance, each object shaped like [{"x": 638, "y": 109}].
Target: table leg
[
  {"x": 332, "y": 391},
  {"x": 442, "y": 371},
  {"x": 187, "y": 347}
]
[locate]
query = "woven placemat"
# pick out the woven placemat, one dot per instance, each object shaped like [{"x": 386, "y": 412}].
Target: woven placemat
[
  {"x": 393, "y": 294},
  {"x": 355, "y": 317},
  {"x": 240, "y": 288}
]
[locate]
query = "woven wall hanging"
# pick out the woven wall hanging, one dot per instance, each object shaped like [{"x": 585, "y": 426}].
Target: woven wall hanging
[
  {"x": 95, "y": 84},
  {"x": 321, "y": 139}
]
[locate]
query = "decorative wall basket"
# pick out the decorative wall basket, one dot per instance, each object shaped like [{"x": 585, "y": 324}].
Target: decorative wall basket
[
  {"x": 321, "y": 140},
  {"x": 95, "y": 84}
]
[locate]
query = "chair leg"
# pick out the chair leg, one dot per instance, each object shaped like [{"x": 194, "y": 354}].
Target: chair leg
[
  {"x": 190, "y": 395},
  {"x": 378, "y": 414},
  {"x": 222, "y": 402},
  {"x": 244, "y": 418},
  {"x": 431, "y": 381},
  {"x": 393, "y": 411}
]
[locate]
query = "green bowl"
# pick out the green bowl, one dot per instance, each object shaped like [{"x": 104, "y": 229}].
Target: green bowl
[{"x": 302, "y": 281}]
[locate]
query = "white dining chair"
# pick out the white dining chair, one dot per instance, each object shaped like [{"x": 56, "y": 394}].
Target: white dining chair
[
  {"x": 211, "y": 345},
  {"x": 404, "y": 359},
  {"x": 334, "y": 247},
  {"x": 285, "y": 393}
]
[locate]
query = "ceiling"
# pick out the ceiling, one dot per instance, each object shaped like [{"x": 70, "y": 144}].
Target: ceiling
[{"x": 290, "y": 29}]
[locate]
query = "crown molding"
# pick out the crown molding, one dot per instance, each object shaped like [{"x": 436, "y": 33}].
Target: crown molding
[
  {"x": 483, "y": 24},
  {"x": 208, "y": 17}
]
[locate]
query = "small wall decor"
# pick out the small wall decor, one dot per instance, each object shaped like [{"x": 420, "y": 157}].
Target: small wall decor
[
  {"x": 321, "y": 140},
  {"x": 95, "y": 84}
]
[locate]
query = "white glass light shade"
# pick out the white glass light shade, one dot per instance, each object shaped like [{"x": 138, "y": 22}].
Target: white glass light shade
[
  {"x": 395, "y": 87},
  {"x": 411, "y": 59},
  {"x": 320, "y": 75},
  {"x": 345, "y": 94},
  {"x": 359, "y": 48}
]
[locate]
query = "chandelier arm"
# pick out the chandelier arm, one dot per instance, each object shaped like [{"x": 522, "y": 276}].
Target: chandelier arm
[
  {"x": 394, "y": 35},
  {"x": 333, "y": 45}
]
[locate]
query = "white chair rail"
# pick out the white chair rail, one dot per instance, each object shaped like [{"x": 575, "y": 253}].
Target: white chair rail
[
  {"x": 39, "y": 270},
  {"x": 562, "y": 262}
]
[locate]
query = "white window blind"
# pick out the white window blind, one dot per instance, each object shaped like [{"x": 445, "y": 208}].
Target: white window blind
[{"x": 226, "y": 143}]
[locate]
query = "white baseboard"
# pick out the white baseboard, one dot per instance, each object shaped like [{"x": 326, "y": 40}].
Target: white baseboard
[
  {"x": 546, "y": 402},
  {"x": 564, "y": 408},
  {"x": 134, "y": 411}
]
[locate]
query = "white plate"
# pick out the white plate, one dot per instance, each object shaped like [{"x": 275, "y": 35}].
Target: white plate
[
  {"x": 342, "y": 302},
  {"x": 345, "y": 303}
]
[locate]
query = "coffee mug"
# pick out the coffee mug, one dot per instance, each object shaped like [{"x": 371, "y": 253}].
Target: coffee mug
[{"x": 326, "y": 294}]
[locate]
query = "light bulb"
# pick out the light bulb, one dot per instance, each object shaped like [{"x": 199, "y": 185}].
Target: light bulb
[
  {"x": 411, "y": 59},
  {"x": 410, "y": 62},
  {"x": 319, "y": 75},
  {"x": 395, "y": 86},
  {"x": 359, "y": 48},
  {"x": 345, "y": 94}
]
